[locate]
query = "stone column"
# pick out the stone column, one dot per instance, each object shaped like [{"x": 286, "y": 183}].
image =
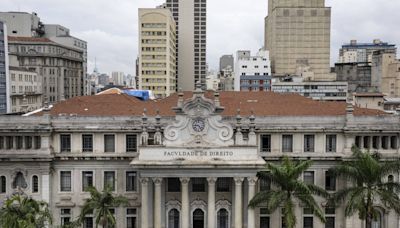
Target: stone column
[
  {"x": 185, "y": 213},
  {"x": 211, "y": 202},
  {"x": 157, "y": 202},
  {"x": 250, "y": 211},
  {"x": 238, "y": 202},
  {"x": 145, "y": 198}
]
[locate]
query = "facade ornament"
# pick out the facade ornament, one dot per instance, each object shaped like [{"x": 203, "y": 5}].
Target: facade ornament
[
  {"x": 144, "y": 180},
  {"x": 239, "y": 136},
  {"x": 184, "y": 180},
  {"x": 157, "y": 180},
  {"x": 252, "y": 180},
  {"x": 238, "y": 180},
  {"x": 158, "y": 135},
  {"x": 252, "y": 135},
  {"x": 144, "y": 137},
  {"x": 212, "y": 180}
]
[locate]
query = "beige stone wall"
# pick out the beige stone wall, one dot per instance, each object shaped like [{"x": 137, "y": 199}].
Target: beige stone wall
[{"x": 157, "y": 44}]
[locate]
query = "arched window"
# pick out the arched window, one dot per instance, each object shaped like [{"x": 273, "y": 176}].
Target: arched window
[
  {"x": 3, "y": 184},
  {"x": 173, "y": 218},
  {"x": 378, "y": 223},
  {"x": 222, "y": 218},
  {"x": 35, "y": 184},
  {"x": 198, "y": 219},
  {"x": 19, "y": 181},
  {"x": 390, "y": 178}
]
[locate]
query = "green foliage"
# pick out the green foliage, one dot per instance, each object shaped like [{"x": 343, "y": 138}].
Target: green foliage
[
  {"x": 99, "y": 204},
  {"x": 289, "y": 189},
  {"x": 20, "y": 211},
  {"x": 368, "y": 173}
]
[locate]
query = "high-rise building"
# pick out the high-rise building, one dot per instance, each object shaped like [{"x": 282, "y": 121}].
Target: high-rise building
[
  {"x": 252, "y": 73},
  {"x": 385, "y": 73},
  {"x": 297, "y": 34},
  {"x": 29, "y": 32},
  {"x": 354, "y": 52},
  {"x": 118, "y": 78},
  {"x": 191, "y": 20},
  {"x": 4, "y": 79},
  {"x": 157, "y": 45},
  {"x": 226, "y": 61}
]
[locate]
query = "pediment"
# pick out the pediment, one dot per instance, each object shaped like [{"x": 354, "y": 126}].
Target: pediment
[{"x": 198, "y": 123}]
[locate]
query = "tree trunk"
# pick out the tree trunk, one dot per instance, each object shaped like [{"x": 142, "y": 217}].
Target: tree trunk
[{"x": 368, "y": 221}]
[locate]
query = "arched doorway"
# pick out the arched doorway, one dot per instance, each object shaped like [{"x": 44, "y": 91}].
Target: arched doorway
[
  {"x": 378, "y": 222},
  {"x": 198, "y": 218},
  {"x": 222, "y": 218},
  {"x": 173, "y": 218}
]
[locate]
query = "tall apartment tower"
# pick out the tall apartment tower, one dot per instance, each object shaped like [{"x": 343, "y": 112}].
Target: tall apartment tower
[
  {"x": 157, "y": 45},
  {"x": 297, "y": 34},
  {"x": 190, "y": 17}
]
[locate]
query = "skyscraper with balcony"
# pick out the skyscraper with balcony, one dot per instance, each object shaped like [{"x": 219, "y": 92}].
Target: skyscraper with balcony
[
  {"x": 297, "y": 34},
  {"x": 191, "y": 21}
]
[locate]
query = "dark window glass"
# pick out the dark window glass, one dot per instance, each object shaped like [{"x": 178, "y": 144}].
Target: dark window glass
[
  {"x": 37, "y": 142},
  {"x": 330, "y": 182},
  {"x": 173, "y": 218},
  {"x": 3, "y": 184},
  {"x": 265, "y": 143},
  {"x": 174, "y": 185},
  {"x": 198, "y": 185},
  {"x": 264, "y": 222},
  {"x": 87, "y": 143},
  {"x": 309, "y": 143},
  {"x": 35, "y": 184},
  {"x": 287, "y": 143},
  {"x": 87, "y": 179},
  {"x": 28, "y": 142},
  {"x": 19, "y": 140},
  {"x": 65, "y": 143},
  {"x": 308, "y": 222},
  {"x": 222, "y": 218},
  {"x": 109, "y": 143},
  {"x": 331, "y": 143},
  {"x": 265, "y": 183},
  {"x": 109, "y": 180},
  {"x": 330, "y": 222},
  {"x": 88, "y": 222},
  {"x": 131, "y": 143},
  {"x": 223, "y": 184},
  {"x": 130, "y": 181},
  {"x": 65, "y": 181},
  {"x": 308, "y": 177}
]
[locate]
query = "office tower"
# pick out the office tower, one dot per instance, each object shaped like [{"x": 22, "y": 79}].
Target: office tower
[
  {"x": 355, "y": 52},
  {"x": 225, "y": 61},
  {"x": 157, "y": 64},
  {"x": 297, "y": 34},
  {"x": 118, "y": 78},
  {"x": 4, "y": 80},
  {"x": 252, "y": 73},
  {"x": 190, "y": 17},
  {"x": 385, "y": 73},
  {"x": 23, "y": 26}
]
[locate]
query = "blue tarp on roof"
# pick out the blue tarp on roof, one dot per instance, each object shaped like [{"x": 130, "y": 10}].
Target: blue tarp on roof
[{"x": 141, "y": 94}]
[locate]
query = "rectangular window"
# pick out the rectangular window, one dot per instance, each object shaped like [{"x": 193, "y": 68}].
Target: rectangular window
[
  {"x": 308, "y": 220},
  {"x": 28, "y": 142},
  {"x": 109, "y": 143},
  {"x": 1, "y": 142},
  {"x": 198, "y": 185},
  {"x": 87, "y": 180},
  {"x": 87, "y": 143},
  {"x": 330, "y": 217},
  {"x": 9, "y": 142},
  {"x": 264, "y": 218},
  {"x": 109, "y": 180},
  {"x": 331, "y": 143},
  {"x": 309, "y": 143},
  {"x": 65, "y": 215},
  {"x": 174, "y": 185},
  {"x": 65, "y": 143},
  {"x": 19, "y": 142},
  {"x": 131, "y": 214},
  {"x": 265, "y": 143},
  {"x": 37, "y": 142},
  {"x": 131, "y": 143},
  {"x": 287, "y": 143},
  {"x": 223, "y": 184},
  {"x": 3, "y": 184},
  {"x": 393, "y": 142},
  {"x": 88, "y": 222},
  {"x": 265, "y": 184},
  {"x": 65, "y": 181},
  {"x": 131, "y": 181},
  {"x": 330, "y": 182},
  {"x": 308, "y": 177}
]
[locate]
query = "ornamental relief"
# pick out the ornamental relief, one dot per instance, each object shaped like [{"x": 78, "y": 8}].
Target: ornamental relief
[{"x": 198, "y": 124}]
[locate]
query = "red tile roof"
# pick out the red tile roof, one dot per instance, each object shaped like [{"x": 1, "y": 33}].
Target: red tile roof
[
  {"x": 261, "y": 103},
  {"x": 27, "y": 39}
]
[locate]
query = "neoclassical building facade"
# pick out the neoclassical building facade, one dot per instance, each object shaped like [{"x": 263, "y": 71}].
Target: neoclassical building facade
[{"x": 189, "y": 160}]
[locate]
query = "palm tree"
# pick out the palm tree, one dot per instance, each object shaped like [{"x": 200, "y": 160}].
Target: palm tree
[
  {"x": 368, "y": 173},
  {"x": 21, "y": 211},
  {"x": 289, "y": 189},
  {"x": 101, "y": 203}
]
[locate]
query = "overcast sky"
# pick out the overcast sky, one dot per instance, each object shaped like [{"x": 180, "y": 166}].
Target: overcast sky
[{"x": 110, "y": 26}]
